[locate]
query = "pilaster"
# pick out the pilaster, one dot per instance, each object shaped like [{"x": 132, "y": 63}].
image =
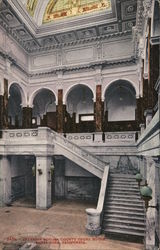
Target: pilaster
[
  {"x": 60, "y": 112},
  {"x": 98, "y": 109},
  {"x": 5, "y": 181},
  {"x": 26, "y": 117},
  {"x": 43, "y": 182}
]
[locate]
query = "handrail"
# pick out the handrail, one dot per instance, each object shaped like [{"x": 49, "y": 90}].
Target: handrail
[
  {"x": 84, "y": 153},
  {"x": 94, "y": 216}
]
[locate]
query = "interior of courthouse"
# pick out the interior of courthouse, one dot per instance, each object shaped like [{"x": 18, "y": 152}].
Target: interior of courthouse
[{"x": 80, "y": 110}]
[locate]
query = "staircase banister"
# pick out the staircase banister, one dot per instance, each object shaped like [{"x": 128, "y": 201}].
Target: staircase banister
[
  {"x": 94, "y": 216},
  {"x": 99, "y": 161},
  {"x": 102, "y": 193}
]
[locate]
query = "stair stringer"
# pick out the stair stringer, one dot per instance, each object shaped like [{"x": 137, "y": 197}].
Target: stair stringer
[{"x": 78, "y": 155}]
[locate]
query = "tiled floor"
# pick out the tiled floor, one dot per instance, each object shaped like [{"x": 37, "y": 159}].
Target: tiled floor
[{"x": 60, "y": 227}]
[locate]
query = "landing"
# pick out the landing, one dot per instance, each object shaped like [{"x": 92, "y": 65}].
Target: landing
[{"x": 60, "y": 227}]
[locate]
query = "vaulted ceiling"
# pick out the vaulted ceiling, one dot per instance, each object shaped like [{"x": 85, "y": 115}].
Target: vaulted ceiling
[
  {"x": 60, "y": 9},
  {"x": 39, "y": 24}
]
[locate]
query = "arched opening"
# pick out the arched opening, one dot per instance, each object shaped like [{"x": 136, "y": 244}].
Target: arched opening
[
  {"x": 44, "y": 108},
  {"x": 120, "y": 104},
  {"x": 80, "y": 108},
  {"x": 14, "y": 106}
]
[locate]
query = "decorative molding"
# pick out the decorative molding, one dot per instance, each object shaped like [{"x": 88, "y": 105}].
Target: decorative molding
[
  {"x": 42, "y": 38},
  {"x": 147, "y": 8}
]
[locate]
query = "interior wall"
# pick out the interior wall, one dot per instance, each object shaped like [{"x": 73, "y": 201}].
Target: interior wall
[
  {"x": 21, "y": 176},
  {"x": 73, "y": 182}
]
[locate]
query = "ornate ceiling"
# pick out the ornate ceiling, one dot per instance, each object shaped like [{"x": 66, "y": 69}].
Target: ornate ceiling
[
  {"x": 31, "y": 6},
  {"x": 69, "y": 8},
  {"x": 30, "y": 21},
  {"x": 60, "y": 9}
]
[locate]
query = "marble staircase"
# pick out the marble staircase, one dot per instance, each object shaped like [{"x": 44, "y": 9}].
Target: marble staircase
[
  {"x": 80, "y": 156},
  {"x": 124, "y": 216}
]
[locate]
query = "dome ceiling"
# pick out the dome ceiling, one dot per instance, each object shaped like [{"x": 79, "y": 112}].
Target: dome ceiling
[{"x": 60, "y": 9}]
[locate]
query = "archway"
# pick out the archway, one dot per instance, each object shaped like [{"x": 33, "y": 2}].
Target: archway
[
  {"x": 44, "y": 108},
  {"x": 14, "y": 106},
  {"x": 120, "y": 102},
  {"x": 80, "y": 107}
]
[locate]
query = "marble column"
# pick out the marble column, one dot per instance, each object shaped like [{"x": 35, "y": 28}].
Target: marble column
[
  {"x": 43, "y": 182},
  {"x": 153, "y": 69},
  {"x": 1, "y": 111},
  {"x": 26, "y": 117},
  {"x": 98, "y": 109},
  {"x": 148, "y": 113},
  {"x": 60, "y": 112},
  {"x": 139, "y": 111},
  {"x": 5, "y": 105},
  {"x": 5, "y": 181},
  {"x": 152, "y": 215},
  {"x": 153, "y": 74}
]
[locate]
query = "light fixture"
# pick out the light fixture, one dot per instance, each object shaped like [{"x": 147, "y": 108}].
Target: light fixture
[
  {"x": 138, "y": 178},
  {"x": 34, "y": 170},
  {"x": 40, "y": 171},
  {"x": 146, "y": 195}
]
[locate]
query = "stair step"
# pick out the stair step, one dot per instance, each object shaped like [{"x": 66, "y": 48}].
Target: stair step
[
  {"x": 122, "y": 231},
  {"x": 127, "y": 205},
  {"x": 123, "y": 208},
  {"x": 124, "y": 200},
  {"x": 122, "y": 176},
  {"x": 125, "y": 188},
  {"x": 124, "y": 196},
  {"x": 126, "y": 213},
  {"x": 120, "y": 184},
  {"x": 128, "y": 229},
  {"x": 122, "y": 191},
  {"x": 124, "y": 217},
  {"x": 126, "y": 222}
]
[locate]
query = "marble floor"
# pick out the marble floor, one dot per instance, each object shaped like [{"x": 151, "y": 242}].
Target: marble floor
[{"x": 60, "y": 227}]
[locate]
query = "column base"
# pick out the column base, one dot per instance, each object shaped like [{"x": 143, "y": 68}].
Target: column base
[
  {"x": 93, "y": 226},
  {"x": 93, "y": 231},
  {"x": 43, "y": 208}
]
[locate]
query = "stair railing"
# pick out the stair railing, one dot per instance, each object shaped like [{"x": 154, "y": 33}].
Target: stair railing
[
  {"x": 95, "y": 216},
  {"x": 78, "y": 150}
]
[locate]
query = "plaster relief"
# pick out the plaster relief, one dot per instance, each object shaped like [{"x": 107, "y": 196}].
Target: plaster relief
[
  {"x": 45, "y": 60},
  {"x": 79, "y": 55}
]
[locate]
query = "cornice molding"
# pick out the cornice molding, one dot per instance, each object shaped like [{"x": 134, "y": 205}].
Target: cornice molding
[
  {"x": 92, "y": 65},
  {"x": 75, "y": 68},
  {"x": 32, "y": 46}
]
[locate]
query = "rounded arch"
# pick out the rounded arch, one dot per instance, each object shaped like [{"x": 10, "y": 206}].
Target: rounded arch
[
  {"x": 72, "y": 87},
  {"x": 120, "y": 101},
  {"x": 21, "y": 90},
  {"x": 127, "y": 81},
  {"x": 38, "y": 91},
  {"x": 44, "y": 105},
  {"x": 39, "y": 11},
  {"x": 15, "y": 105},
  {"x": 79, "y": 101}
]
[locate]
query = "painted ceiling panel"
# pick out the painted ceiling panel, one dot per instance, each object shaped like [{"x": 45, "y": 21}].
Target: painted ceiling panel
[
  {"x": 31, "y": 6},
  {"x": 59, "y": 9}
]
